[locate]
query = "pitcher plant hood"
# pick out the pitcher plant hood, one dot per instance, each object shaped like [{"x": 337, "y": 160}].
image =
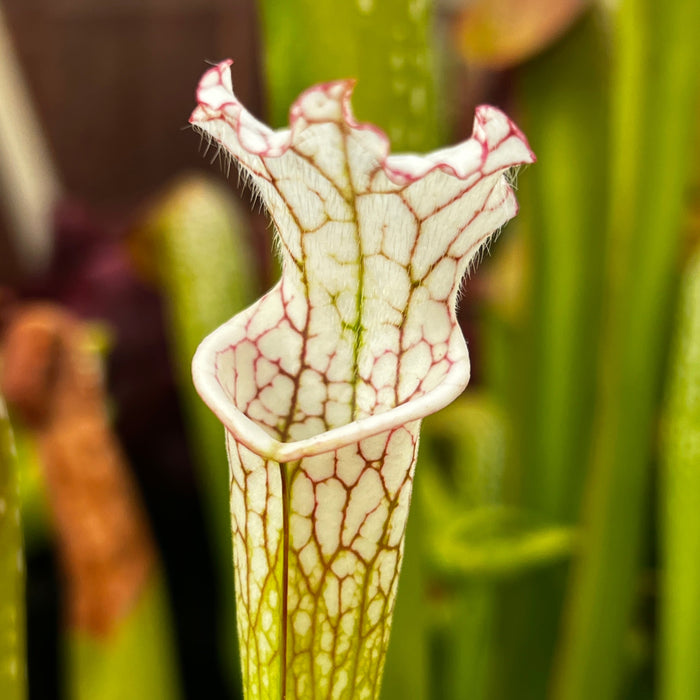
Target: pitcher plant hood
[{"x": 322, "y": 383}]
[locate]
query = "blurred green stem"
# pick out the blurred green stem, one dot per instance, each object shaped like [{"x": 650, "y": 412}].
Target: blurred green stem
[
  {"x": 654, "y": 90},
  {"x": 563, "y": 101},
  {"x": 205, "y": 269},
  {"x": 386, "y": 46},
  {"x": 136, "y": 660},
  {"x": 463, "y": 452},
  {"x": 563, "y": 97},
  {"x": 13, "y": 683},
  {"x": 680, "y": 504}
]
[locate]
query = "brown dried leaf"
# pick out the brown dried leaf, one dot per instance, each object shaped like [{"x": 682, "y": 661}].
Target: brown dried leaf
[{"x": 52, "y": 377}]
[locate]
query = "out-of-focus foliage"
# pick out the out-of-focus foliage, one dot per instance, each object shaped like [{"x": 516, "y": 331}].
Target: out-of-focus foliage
[
  {"x": 472, "y": 534},
  {"x": 135, "y": 661},
  {"x": 502, "y": 33},
  {"x": 51, "y": 375},
  {"x": 473, "y": 541},
  {"x": 541, "y": 359},
  {"x": 36, "y": 526},
  {"x": 194, "y": 244},
  {"x": 12, "y": 616},
  {"x": 463, "y": 457},
  {"x": 680, "y": 502},
  {"x": 387, "y": 46},
  {"x": 655, "y": 80}
]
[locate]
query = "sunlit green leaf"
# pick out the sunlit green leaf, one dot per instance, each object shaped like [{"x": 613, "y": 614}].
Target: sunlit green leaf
[
  {"x": 13, "y": 685},
  {"x": 680, "y": 504}
]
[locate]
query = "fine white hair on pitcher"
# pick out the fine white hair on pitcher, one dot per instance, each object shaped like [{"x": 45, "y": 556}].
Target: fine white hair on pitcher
[{"x": 245, "y": 180}]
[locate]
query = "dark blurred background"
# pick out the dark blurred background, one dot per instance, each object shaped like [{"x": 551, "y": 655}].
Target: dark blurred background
[{"x": 113, "y": 83}]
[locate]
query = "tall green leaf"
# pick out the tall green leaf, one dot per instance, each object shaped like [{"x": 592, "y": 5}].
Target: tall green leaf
[
  {"x": 654, "y": 90},
  {"x": 385, "y": 45},
  {"x": 203, "y": 262},
  {"x": 564, "y": 108},
  {"x": 564, "y": 103},
  {"x": 13, "y": 683},
  {"x": 680, "y": 504}
]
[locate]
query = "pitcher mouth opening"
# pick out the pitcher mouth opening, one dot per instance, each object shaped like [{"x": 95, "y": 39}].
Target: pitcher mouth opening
[{"x": 248, "y": 432}]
